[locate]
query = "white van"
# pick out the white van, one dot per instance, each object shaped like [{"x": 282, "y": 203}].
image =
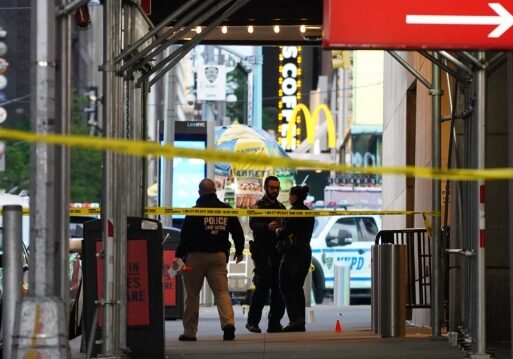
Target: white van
[{"x": 343, "y": 239}]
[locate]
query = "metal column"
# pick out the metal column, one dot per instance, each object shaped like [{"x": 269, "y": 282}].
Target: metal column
[
  {"x": 207, "y": 107},
  {"x": 12, "y": 275},
  {"x": 467, "y": 274},
  {"x": 510, "y": 182},
  {"x": 62, "y": 153},
  {"x": 391, "y": 305},
  {"x": 170, "y": 117},
  {"x": 110, "y": 195},
  {"x": 436, "y": 293},
  {"x": 43, "y": 332},
  {"x": 479, "y": 226},
  {"x": 257, "y": 87}
]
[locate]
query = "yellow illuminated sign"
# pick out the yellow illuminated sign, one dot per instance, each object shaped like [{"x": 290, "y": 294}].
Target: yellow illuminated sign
[
  {"x": 311, "y": 119},
  {"x": 289, "y": 88}
]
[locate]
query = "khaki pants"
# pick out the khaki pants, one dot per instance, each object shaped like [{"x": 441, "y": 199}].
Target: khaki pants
[{"x": 213, "y": 267}]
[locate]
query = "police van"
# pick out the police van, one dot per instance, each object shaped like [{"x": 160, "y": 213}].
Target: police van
[{"x": 343, "y": 240}]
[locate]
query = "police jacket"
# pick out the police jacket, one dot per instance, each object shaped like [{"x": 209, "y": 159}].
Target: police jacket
[
  {"x": 210, "y": 233},
  {"x": 264, "y": 240},
  {"x": 296, "y": 232}
]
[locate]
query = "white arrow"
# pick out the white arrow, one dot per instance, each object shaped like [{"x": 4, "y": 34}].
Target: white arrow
[{"x": 504, "y": 20}]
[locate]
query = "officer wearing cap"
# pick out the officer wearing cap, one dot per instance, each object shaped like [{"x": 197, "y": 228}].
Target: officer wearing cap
[{"x": 294, "y": 243}]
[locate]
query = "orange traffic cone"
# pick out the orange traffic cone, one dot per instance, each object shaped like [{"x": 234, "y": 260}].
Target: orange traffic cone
[{"x": 338, "y": 326}]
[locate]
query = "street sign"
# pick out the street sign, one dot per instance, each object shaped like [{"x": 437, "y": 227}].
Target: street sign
[
  {"x": 407, "y": 24},
  {"x": 211, "y": 83}
]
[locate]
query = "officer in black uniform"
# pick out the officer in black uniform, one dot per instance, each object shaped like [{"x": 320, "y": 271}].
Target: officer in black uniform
[
  {"x": 267, "y": 261},
  {"x": 205, "y": 247},
  {"x": 294, "y": 243}
]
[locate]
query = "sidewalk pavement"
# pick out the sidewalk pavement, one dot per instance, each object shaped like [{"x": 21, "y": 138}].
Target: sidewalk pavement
[{"x": 319, "y": 341}]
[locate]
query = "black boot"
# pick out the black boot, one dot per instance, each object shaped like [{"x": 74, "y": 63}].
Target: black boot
[
  {"x": 274, "y": 328},
  {"x": 253, "y": 328},
  {"x": 295, "y": 326}
]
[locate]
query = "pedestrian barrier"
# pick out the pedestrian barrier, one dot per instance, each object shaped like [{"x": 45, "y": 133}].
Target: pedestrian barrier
[
  {"x": 418, "y": 263},
  {"x": 307, "y": 289},
  {"x": 145, "y": 322},
  {"x": 389, "y": 290},
  {"x": 310, "y": 317},
  {"x": 341, "y": 285}
]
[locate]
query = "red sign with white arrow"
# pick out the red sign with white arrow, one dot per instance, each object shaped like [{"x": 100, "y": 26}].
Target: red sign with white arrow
[{"x": 413, "y": 24}]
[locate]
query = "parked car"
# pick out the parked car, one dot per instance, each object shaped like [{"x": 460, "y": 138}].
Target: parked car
[{"x": 343, "y": 240}]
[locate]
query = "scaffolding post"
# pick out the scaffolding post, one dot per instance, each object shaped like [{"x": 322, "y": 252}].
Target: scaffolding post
[
  {"x": 62, "y": 153},
  {"x": 510, "y": 182},
  {"x": 43, "y": 332},
  {"x": 480, "y": 287},
  {"x": 111, "y": 215},
  {"x": 436, "y": 293}
]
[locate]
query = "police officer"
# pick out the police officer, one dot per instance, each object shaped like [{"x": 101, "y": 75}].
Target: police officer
[
  {"x": 267, "y": 261},
  {"x": 204, "y": 246},
  {"x": 294, "y": 243}
]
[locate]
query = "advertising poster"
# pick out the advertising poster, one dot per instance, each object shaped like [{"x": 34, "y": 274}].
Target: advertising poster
[{"x": 249, "y": 179}]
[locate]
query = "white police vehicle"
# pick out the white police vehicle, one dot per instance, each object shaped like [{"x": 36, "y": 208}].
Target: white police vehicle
[{"x": 345, "y": 240}]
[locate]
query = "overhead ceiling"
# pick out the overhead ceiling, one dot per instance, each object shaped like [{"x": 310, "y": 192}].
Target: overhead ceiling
[{"x": 277, "y": 22}]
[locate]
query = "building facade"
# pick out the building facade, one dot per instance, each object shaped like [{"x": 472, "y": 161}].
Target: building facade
[{"x": 408, "y": 141}]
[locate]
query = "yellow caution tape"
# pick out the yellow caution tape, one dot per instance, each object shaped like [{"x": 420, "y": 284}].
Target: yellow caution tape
[
  {"x": 427, "y": 224},
  {"x": 24, "y": 211},
  {"x": 144, "y": 148},
  {"x": 243, "y": 212},
  {"x": 72, "y": 211},
  {"x": 84, "y": 211}
]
